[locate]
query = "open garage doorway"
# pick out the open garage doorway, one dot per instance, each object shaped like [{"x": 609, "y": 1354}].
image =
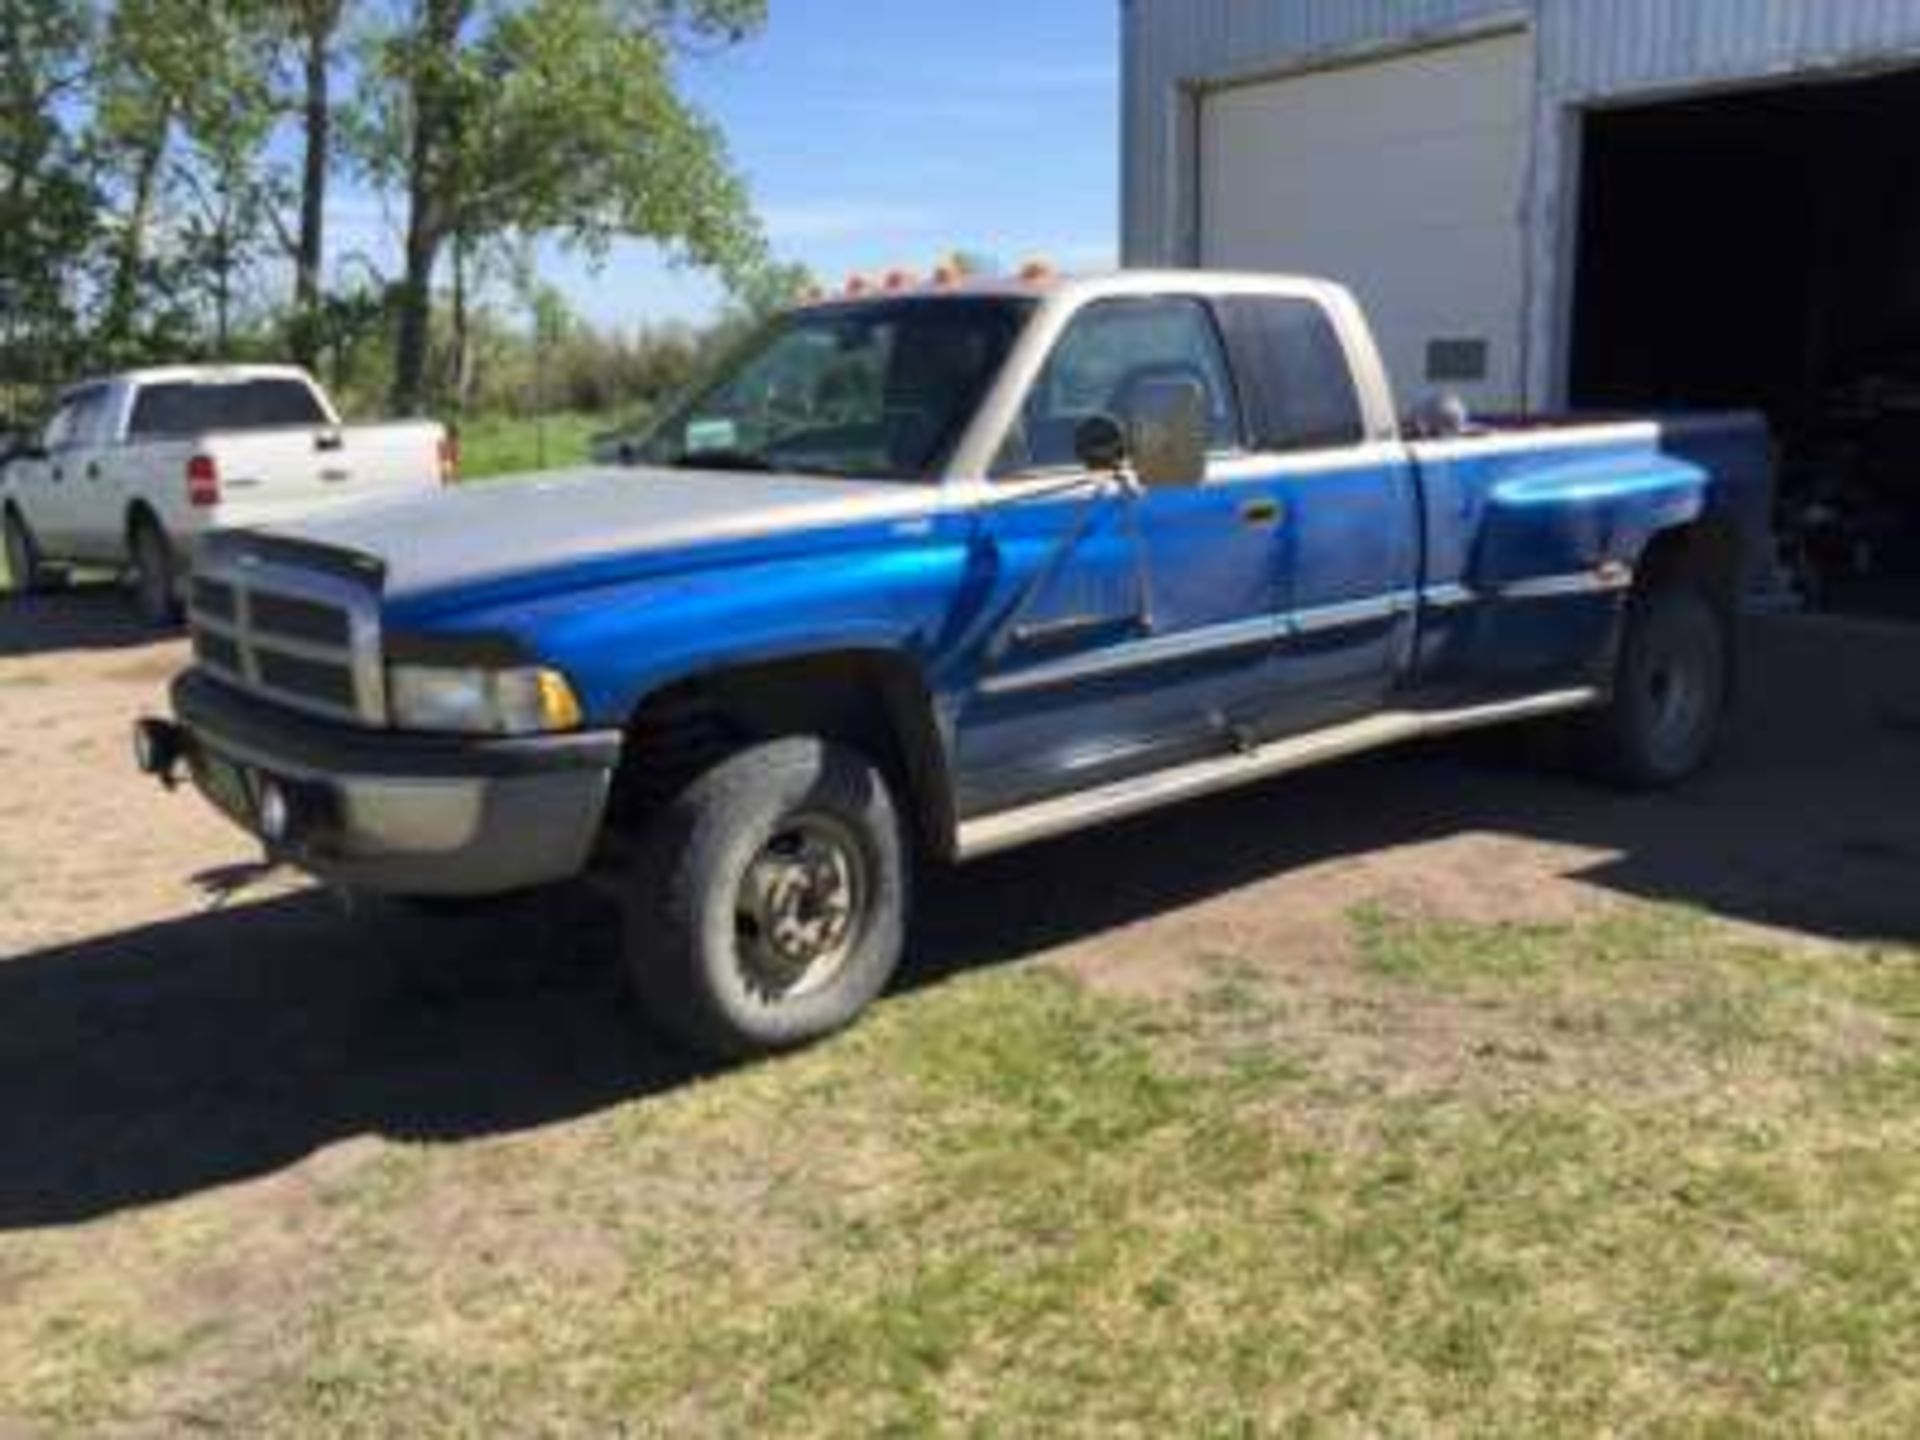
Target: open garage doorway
[{"x": 1763, "y": 249}]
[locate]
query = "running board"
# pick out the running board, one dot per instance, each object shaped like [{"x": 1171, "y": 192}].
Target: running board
[{"x": 990, "y": 834}]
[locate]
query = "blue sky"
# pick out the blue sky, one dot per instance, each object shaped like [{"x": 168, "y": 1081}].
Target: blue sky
[{"x": 889, "y": 132}]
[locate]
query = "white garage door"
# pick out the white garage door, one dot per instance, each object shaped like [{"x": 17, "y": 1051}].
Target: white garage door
[{"x": 1402, "y": 178}]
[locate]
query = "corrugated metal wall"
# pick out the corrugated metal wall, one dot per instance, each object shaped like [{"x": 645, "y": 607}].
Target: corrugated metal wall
[
  {"x": 1170, "y": 43},
  {"x": 1590, "y": 51},
  {"x": 1596, "y": 48}
]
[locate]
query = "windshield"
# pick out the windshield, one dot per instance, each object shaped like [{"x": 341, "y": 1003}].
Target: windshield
[{"x": 880, "y": 390}]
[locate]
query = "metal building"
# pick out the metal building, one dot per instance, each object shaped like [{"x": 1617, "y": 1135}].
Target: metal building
[{"x": 1553, "y": 203}]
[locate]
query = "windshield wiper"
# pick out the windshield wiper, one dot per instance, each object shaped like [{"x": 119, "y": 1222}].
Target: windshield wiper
[{"x": 722, "y": 460}]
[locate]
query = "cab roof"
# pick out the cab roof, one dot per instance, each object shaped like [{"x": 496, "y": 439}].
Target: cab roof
[{"x": 1077, "y": 289}]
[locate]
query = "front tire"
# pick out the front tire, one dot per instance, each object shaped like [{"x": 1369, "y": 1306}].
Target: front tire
[
  {"x": 1671, "y": 686},
  {"x": 768, "y": 900},
  {"x": 155, "y": 584},
  {"x": 26, "y": 571}
]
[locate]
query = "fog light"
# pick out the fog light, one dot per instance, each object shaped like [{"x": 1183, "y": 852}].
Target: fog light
[{"x": 276, "y": 815}]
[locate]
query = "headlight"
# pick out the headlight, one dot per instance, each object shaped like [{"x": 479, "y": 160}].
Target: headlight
[{"x": 474, "y": 700}]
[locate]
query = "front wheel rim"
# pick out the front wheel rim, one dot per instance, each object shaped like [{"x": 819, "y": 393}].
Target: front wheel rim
[{"x": 801, "y": 908}]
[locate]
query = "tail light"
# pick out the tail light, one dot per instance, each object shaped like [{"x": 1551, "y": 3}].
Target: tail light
[
  {"x": 203, "y": 482},
  {"x": 449, "y": 458}
]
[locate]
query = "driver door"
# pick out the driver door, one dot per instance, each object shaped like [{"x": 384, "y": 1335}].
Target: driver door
[
  {"x": 49, "y": 483},
  {"x": 1138, "y": 630}
]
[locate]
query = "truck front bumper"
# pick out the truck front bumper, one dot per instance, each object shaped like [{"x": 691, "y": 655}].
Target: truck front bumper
[{"x": 383, "y": 812}]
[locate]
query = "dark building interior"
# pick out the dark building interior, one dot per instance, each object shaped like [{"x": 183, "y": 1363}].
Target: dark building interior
[{"x": 1763, "y": 249}]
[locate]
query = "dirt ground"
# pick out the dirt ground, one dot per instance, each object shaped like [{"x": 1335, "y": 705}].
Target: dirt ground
[{"x": 173, "y": 1020}]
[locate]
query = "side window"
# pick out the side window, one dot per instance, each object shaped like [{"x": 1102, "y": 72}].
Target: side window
[
  {"x": 59, "y": 433},
  {"x": 1111, "y": 349},
  {"x": 93, "y": 419},
  {"x": 1294, "y": 374},
  {"x": 78, "y": 421}
]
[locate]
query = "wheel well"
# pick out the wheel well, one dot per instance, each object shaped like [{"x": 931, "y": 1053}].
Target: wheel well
[
  {"x": 1706, "y": 553},
  {"x": 873, "y": 701},
  {"x": 140, "y": 513}
]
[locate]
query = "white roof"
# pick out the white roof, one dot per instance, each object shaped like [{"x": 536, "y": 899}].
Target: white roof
[
  {"x": 200, "y": 374},
  {"x": 1080, "y": 288}
]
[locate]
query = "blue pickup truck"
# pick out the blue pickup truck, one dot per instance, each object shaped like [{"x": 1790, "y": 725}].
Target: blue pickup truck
[{"x": 927, "y": 574}]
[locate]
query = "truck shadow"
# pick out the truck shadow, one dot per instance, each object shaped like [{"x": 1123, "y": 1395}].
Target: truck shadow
[
  {"x": 91, "y": 615},
  {"x": 157, "y": 1062}
]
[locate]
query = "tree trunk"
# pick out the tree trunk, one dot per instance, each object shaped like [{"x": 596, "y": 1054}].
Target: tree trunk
[
  {"x": 124, "y": 297},
  {"x": 462, "y": 376},
  {"x": 424, "y": 239},
  {"x": 434, "y": 126},
  {"x": 319, "y": 21}
]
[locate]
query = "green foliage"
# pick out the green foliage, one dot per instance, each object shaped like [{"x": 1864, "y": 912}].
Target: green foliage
[
  {"x": 555, "y": 117},
  {"x": 149, "y": 209},
  {"x": 49, "y": 205},
  {"x": 498, "y": 445}
]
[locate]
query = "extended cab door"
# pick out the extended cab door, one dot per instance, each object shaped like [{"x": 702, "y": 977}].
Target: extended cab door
[
  {"x": 1349, "y": 530},
  {"x": 1145, "y": 627}
]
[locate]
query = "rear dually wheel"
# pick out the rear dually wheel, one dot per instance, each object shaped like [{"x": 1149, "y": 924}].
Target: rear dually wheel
[{"x": 1670, "y": 691}]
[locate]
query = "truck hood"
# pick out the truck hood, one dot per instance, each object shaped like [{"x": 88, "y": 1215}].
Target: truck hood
[{"x": 475, "y": 533}]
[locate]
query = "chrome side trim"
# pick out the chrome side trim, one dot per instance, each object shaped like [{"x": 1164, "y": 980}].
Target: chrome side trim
[
  {"x": 990, "y": 834},
  {"x": 1448, "y": 597},
  {"x": 1318, "y": 620},
  {"x": 1609, "y": 579},
  {"x": 1137, "y": 654},
  {"x": 1323, "y": 618},
  {"x": 1210, "y": 640}
]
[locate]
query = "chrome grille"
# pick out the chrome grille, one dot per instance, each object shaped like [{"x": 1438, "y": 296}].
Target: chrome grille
[{"x": 303, "y": 638}]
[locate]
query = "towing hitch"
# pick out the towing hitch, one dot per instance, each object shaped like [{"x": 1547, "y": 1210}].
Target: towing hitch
[{"x": 159, "y": 748}]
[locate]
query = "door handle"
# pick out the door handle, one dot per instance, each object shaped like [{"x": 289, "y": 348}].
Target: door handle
[
  {"x": 93, "y": 472},
  {"x": 58, "y": 473},
  {"x": 1262, "y": 512},
  {"x": 328, "y": 440}
]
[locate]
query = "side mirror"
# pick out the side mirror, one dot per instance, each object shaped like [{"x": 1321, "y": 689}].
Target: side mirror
[
  {"x": 1100, "y": 444},
  {"x": 1169, "y": 440}
]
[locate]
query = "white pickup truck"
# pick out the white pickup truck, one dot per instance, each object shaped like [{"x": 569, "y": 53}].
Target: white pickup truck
[{"x": 130, "y": 470}]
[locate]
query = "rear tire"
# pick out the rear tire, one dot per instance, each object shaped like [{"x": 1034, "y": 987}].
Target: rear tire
[
  {"x": 27, "y": 572},
  {"x": 1671, "y": 686},
  {"x": 155, "y": 583},
  {"x": 767, "y": 901}
]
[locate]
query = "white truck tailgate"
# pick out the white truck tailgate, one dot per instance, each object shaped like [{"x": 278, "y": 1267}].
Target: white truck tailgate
[{"x": 268, "y": 475}]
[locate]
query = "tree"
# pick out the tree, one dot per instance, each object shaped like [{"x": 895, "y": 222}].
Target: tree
[
  {"x": 554, "y": 117},
  {"x": 182, "y": 110},
  {"x": 315, "y": 25},
  {"x": 48, "y": 204}
]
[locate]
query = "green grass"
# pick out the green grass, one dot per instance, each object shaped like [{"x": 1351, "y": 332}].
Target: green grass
[
  {"x": 497, "y": 445},
  {"x": 1635, "y": 1174}
]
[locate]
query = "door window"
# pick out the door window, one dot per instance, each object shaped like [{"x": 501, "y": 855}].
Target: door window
[
  {"x": 59, "y": 432},
  {"x": 78, "y": 422},
  {"x": 1112, "y": 349},
  {"x": 1294, "y": 373}
]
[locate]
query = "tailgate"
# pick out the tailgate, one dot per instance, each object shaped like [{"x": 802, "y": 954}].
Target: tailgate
[{"x": 275, "y": 475}]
